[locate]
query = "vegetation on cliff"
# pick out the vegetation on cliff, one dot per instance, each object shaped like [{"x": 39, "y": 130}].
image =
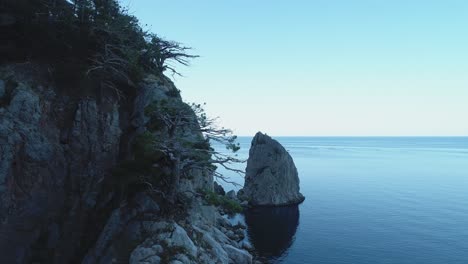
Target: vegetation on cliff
[
  {"x": 229, "y": 205},
  {"x": 93, "y": 39},
  {"x": 96, "y": 45},
  {"x": 98, "y": 148},
  {"x": 175, "y": 146}
]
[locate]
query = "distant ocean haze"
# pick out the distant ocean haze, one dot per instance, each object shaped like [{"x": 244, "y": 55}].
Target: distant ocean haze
[{"x": 370, "y": 200}]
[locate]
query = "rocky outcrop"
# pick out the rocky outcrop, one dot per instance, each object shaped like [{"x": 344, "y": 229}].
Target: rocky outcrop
[
  {"x": 271, "y": 177},
  {"x": 58, "y": 149},
  {"x": 138, "y": 234},
  {"x": 183, "y": 242},
  {"x": 218, "y": 189}
]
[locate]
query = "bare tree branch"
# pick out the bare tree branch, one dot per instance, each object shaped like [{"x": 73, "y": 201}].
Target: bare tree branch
[{"x": 187, "y": 141}]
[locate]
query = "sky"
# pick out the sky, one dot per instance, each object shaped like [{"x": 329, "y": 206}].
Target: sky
[{"x": 323, "y": 67}]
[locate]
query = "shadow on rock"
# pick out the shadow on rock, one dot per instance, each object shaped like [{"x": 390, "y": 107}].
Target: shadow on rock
[{"x": 272, "y": 229}]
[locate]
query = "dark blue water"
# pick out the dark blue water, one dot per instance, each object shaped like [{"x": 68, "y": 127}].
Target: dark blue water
[{"x": 370, "y": 200}]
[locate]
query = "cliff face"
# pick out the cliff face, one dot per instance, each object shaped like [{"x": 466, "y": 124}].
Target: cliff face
[{"x": 57, "y": 153}]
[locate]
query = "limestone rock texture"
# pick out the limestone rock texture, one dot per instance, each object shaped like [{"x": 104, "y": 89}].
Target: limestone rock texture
[
  {"x": 271, "y": 176},
  {"x": 58, "y": 202}
]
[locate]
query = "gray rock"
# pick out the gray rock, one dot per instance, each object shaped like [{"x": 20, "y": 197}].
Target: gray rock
[
  {"x": 58, "y": 152},
  {"x": 221, "y": 237},
  {"x": 218, "y": 189},
  {"x": 171, "y": 236},
  {"x": 202, "y": 241},
  {"x": 241, "y": 195},
  {"x": 223, "y": 222},
  {"x": 144, "y": 255},
  {"x": 181, "y": 259},
  {"x": 238, "y": 255},
  {"x": 240, "y": 233},
  {"x": 240, "y": 225},
  {"x": 25, "y": 105},
  {"x": 179, "y": 238},
  {"x": 202, "y": 213},
  {"x": 208, "y": 213},
  {"x": 231, "y": 195},
  {"x": 157, "y": 89},
  {"x": 216, "y": 248},
  {"x": 116, "y": 224},
  {"x": 230, "y": 234},
  {"x": 151, "y": 88},
  {"x": 271, "y": 177},
  {"x": 246, "y": 245}
]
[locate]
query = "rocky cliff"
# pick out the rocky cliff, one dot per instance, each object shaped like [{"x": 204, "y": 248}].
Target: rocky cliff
[
  {"x": 59, "y": 199},
  {"x": 271, "y": 177}
]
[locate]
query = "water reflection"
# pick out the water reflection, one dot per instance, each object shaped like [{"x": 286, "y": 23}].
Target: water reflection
[{"x": 272, "y": 229}]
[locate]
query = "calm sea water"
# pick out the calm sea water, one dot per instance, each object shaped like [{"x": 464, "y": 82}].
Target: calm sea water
[{"x": 369, "y": 200}]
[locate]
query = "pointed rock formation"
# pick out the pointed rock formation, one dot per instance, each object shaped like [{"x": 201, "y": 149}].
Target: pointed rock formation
[{"x": 271, "y": 177}]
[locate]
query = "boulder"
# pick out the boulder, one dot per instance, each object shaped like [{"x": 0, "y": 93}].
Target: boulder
[
  {"x": 241, "y": 195},
  {"x": 271, "y": 177},
  {"x": 178, "y": 237},
  {"x": 231, "y": 195},
  {"x": 238, "y": 255},
  {"x": 218, "y": 189}
]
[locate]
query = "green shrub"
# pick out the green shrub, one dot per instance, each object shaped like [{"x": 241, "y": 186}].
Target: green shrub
[
  {"x": 232, "y": 206},
  {"x": 229, "y": 205}
]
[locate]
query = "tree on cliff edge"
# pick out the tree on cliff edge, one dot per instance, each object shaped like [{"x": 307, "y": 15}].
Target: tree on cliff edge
[
  {"x": 188, "y": 133},
  {"x": 95, "y": 38}
]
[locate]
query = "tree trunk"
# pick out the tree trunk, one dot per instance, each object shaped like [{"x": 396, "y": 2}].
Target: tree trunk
[{"x": 175, "y": 181}]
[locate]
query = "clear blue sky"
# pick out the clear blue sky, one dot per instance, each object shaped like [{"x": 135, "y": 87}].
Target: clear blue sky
[{"x": 329, "y": 67}]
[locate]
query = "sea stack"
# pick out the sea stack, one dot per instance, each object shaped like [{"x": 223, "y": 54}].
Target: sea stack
[{"x": 271, "y": 177}]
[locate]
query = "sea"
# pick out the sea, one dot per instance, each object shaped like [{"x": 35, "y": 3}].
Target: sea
[{"x": 369, "y": 200}]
